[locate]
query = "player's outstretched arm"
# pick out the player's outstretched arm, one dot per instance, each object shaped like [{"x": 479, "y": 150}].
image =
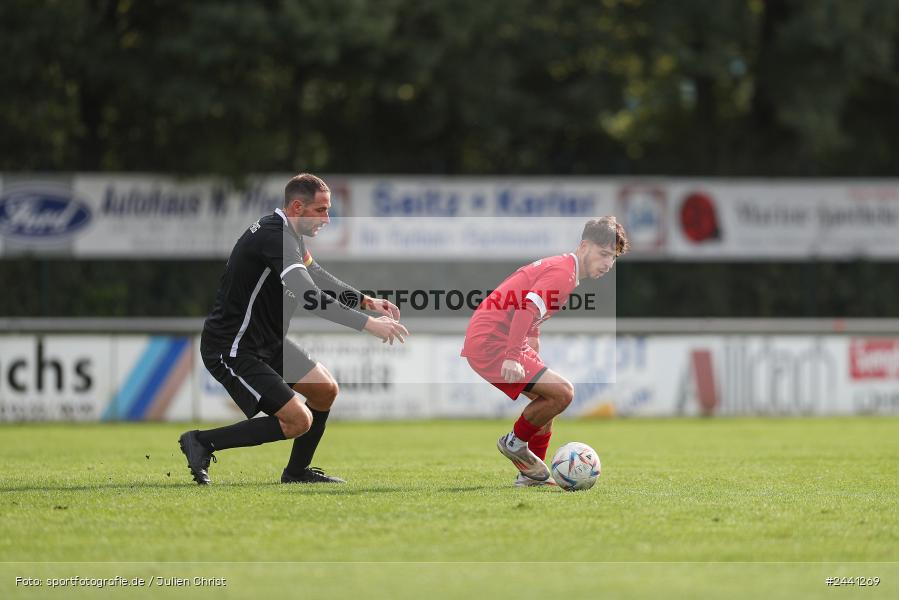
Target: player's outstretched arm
[
  {"x": 317, "y": 302},
  {"x": 344, "y": 292},
  {"x": 350, "y": 296}
]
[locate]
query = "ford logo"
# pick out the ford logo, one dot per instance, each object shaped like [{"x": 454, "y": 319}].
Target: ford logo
[{"x": 43, "y": 214}]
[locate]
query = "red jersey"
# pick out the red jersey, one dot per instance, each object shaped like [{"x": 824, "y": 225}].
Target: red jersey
[{"x": 533, "y": 293}]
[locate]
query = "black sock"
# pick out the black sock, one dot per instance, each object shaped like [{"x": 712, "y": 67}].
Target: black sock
[
  {"x": 251, "y": 432},
  {"x": 305, "y": 445}
]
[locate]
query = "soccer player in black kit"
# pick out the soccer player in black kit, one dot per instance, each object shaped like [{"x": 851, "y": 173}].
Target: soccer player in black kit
[{"x": 244, "y": 345}]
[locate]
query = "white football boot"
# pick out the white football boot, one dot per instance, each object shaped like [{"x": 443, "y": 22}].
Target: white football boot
[
  {"x": 522, "y": 481},
  {"x": 524, "y": 460}
]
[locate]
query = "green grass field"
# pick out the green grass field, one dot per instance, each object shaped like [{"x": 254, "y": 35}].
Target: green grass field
[{"x": 684, "y": 508}]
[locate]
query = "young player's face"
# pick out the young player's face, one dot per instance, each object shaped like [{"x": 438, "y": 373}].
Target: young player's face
[
  {"x": 598, "y": 260},
  {"x": 314, "y": 215}
]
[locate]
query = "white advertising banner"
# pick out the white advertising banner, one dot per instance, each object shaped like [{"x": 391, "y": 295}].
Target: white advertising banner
[
  {"x": 721, "y": 220},
  {"x": 630, "y": 376},
  {"x": 133, "y": 377},
  {"x": 429, "y": 218},
  {"x": 471, "y": 219},
  {"x": 96, "y": 378},
  {"x": 54, "y": 378},
  {"x": 377, "y": 381},
  {"x": 130, "y": 216}
]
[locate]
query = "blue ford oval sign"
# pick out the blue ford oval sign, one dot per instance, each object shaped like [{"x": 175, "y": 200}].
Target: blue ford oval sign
[{"x": 42, "y": 214}]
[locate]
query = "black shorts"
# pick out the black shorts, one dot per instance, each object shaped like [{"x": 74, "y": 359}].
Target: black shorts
[{"x": 256, "y": 384}]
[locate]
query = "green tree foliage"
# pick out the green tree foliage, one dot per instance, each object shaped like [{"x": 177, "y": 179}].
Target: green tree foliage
[{"x": 733, "y": 87}]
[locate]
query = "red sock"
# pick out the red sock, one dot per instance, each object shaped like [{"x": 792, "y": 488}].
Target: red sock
[
  {"x": 524, "y": 430},
  {"x": 539, "y": 444}
]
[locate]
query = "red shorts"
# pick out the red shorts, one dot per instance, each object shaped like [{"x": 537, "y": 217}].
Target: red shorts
[{"x": 490, "y": 368}]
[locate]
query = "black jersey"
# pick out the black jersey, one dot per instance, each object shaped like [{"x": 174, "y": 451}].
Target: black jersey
[{"x": 268, "y": 275}]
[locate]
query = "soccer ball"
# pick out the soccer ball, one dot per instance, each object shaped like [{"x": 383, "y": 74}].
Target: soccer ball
[{"x": 576, "y": 467}]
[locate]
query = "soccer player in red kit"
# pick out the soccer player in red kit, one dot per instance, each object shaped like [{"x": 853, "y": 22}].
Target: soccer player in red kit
[{"x": 502, "y": 340}]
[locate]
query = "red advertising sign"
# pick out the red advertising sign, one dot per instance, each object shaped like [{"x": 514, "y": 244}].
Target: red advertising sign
[{"x": 874, "y": 358}]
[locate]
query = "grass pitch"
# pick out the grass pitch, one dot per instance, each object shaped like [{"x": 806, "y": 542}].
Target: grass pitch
[{"x": 684, "y": 508}]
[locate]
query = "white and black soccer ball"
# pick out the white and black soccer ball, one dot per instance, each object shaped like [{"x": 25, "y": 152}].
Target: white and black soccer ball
[{"x": 576, "y": 467}]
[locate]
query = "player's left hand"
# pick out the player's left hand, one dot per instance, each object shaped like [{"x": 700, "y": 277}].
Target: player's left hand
[
  {"x": 512, "y": 371},
  {"x": 386, "y": 329},
  {"x": 382, "y": 307}
]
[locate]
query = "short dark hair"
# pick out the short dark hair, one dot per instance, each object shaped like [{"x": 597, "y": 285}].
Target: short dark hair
[
  {"x": 304, "y": 186},
  {"x": 607, "y": 231}
]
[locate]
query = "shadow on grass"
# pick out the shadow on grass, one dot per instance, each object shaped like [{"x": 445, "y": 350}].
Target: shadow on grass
[
  {"x": 319, "y": 489},
  {"x": 349, "y": 491}
]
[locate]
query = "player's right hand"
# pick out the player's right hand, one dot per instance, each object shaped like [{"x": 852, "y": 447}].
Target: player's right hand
[
  {"x": 386, "y": 329},
  {"x": 512, "y": 371}
]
